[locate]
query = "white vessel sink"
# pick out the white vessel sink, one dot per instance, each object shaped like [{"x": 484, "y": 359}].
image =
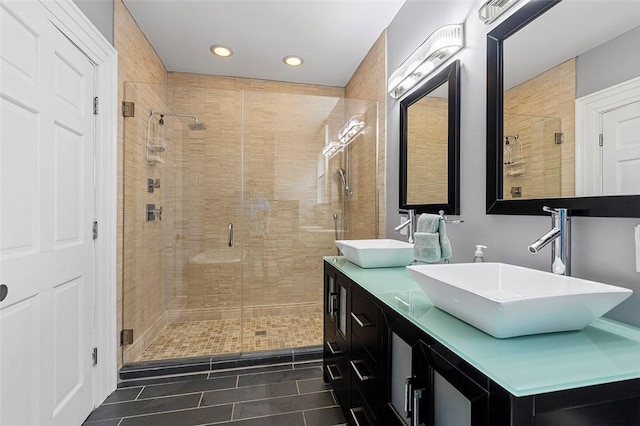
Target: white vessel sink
[
  {"x": 376, "y": 253},
  {"x": 506, "y": 301}
]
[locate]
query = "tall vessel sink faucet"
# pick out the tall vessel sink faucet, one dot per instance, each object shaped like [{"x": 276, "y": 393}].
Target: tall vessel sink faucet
[{"x": 560, "y": 236}]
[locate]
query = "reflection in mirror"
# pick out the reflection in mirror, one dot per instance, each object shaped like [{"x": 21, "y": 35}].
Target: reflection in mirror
[
  {"x": 427, "y": 138},
  {"x": 542, "y": 145},
  {"x": 429, "y": 141}
]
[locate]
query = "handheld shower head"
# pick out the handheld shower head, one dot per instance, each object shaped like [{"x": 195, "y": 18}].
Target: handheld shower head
[{"x": 345, "y": 184}]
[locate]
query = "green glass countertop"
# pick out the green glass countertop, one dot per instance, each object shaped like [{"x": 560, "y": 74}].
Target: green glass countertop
[{"x": 604, "y": 352}]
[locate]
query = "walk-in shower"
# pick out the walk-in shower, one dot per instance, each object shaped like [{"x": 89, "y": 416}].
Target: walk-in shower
[{"x": 258, "y": 165}]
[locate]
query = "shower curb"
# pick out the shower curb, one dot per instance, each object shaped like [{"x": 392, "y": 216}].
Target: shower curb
[{"x": 151, "y": 369}]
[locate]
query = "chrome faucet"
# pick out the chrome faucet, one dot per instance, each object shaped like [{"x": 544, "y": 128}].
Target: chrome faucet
[
  {"x": 410, "y": 222},
  {"x": 560, "y": 235}
]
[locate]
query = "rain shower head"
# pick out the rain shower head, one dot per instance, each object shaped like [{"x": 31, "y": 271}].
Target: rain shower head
[{"x": 198, "y": 125}]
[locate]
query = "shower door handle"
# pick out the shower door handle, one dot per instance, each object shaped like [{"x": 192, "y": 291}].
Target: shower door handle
[{"x": 231, "y": 235}]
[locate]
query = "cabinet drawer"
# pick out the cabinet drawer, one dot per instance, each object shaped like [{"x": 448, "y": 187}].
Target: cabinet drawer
[
  {"x": 360, "y": 413},
  {"x": 365, "y": 375},
  {"x": 365, "y": 317},
  {"x": 337, "y": 373}
]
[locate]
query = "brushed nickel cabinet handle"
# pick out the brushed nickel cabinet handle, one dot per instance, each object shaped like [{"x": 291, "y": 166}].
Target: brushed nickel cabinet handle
[
  {"x": 333, "y": 351},
  {"x": 364, "y": 324},
  {"x": 331, "y": 375},
  {"x": 362, "y": 377}
]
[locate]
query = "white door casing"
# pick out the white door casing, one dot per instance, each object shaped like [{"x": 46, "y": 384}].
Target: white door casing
[
  {"x": 47, "y": 205},
  {"x": 590, "y": 112},
  {"x": 621, "y": 150}
]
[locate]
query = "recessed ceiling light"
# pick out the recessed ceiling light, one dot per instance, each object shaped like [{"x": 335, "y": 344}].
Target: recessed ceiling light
[
  {"x": 220, "y": 50},
  {"x": 293, "y": 61}
]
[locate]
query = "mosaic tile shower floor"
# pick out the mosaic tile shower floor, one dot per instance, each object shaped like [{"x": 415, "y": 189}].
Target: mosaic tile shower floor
[{"x": 217, "y": 337}]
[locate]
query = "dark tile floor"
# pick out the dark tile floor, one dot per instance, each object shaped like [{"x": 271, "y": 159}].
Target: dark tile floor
[{"x": 287, "y": 394}]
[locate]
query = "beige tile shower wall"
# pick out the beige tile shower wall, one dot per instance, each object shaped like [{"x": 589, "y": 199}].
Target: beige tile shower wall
[
  {"x": 549, "y": 168},
  {"x": 369, "y": 82},
  {"x": 276, "y": 234},
  {"x": 137, "y": 61},
  {"x": 427, "y": 180}
]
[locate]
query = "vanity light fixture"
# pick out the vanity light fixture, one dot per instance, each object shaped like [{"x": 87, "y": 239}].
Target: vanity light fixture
[
  {"x": 442, "y": 44},
  {"x": 346, "y": 135},
  {"x": 293, "y": 61},
  {"x": 492, "y": 9},
  {"x": 351, "y": 129},
  {"x": 331, "y": 149},
  {"x": 220, "y": 50}
]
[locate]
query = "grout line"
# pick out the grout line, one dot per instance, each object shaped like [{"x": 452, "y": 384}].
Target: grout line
[
  {"x": 139, "y": 393},
  {"x": 304, "y": 418},
  {"x": 233, "y": 411},
  {"x": 173, "y": 395},
  {"x": 237, "y": 381},
  {"x": 322, "y": 408},
  {"x": 298, "y": 388},
  {"x": 333, "y": 395},
  {"x": 200, "y": 401},
  {"x": 266, "y": 416},
  {"x": 163, "y": 412}
]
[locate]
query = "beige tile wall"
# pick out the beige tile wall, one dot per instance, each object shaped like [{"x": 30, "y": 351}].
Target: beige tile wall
[
  {"x": 285, "y": 225},
  {"x": 369, "y": 82},
  {"x": 535, "y": 110}
]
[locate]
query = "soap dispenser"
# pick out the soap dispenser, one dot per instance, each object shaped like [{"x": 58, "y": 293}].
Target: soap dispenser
[{"x": 479, "y": 255}]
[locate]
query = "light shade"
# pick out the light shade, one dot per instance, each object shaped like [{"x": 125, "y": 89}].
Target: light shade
[
  {"x": 436, "y": 49},
  {"x": 492, "y": 9}
]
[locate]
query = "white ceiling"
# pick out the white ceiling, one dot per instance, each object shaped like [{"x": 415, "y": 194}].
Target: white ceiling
[{"x": 333, "y": 36}]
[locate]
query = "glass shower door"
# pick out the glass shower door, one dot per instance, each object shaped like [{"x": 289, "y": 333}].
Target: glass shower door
[
  {"x": 205, "y": 292},
  {"x": 181, "y": 267}
]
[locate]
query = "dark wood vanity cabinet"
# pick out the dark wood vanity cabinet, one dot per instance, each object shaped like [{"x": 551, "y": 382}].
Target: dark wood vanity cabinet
[
  {"x": 352, "y": 350},
  {"x": 386, "y": 371},
  {"x": 336, "y": 346}
]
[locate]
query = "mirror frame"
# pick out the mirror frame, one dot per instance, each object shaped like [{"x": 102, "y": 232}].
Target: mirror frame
[
  {"x": 451, "y": 76},
  {"x": 600, "y": 206}
]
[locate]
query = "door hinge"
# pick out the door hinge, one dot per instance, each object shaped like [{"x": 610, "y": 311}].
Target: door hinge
[
  {"x": 94, "y": 230},
  {"x": 95, "y": 105},
  {"x": 600, "y": 139},
  {"x": 94, "y": 356},
  {"x": 128, "y": 109},
  {"x": 126, "y": 336}
]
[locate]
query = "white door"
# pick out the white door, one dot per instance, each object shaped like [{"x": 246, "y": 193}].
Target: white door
[
  {"x": 621, "y": 150},
  {"x": 46, "y": 213}
]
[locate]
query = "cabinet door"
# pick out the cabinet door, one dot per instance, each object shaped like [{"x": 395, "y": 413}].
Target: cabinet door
[
  {"x": 453, "y": 398},
  {"x": 407, "y": 371}
]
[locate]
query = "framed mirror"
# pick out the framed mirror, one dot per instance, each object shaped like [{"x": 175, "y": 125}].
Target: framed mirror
[
  {"x": 563, "y": 102},
  {"x": 430, "y": 145}
]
